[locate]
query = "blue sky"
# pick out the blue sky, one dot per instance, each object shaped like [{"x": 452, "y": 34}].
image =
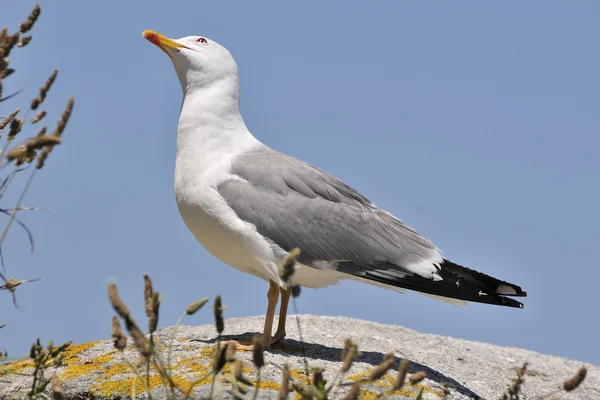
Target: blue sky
[{"x": 477, "y": 123}]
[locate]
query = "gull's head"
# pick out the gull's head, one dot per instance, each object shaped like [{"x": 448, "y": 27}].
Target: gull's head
[{"x": 198, "y": 61}]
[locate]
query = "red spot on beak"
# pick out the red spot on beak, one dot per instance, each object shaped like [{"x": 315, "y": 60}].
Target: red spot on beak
[{"x": 153, "y": 38}]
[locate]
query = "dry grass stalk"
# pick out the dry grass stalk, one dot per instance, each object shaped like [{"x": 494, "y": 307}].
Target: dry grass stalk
[
  {"x": 38, "y": 117},
  {"x": 24, "y": 41},
  {"x": 417, "y": 377},
  {"x": 305, "y": 391},
  {"x": 295, "y": 291},
  {"x": 27, "y": 151},
  {"x": 8, "y": 43},
  {"x": 62, "y": 123},
  {"x": 220, "y": 359},
  {"x": 139, "y": 340},
  {"x": 44, "y": 90},
  {"x": 258, "y": 349},
  {"x": 381, "y": 369},
  {"x": 155, "y": 305},
  {"x": 230, "y": 352},
  {"x": 284, "y": 388},
  {"x": 288, "y": 264},
  {"x": 401, "y": 377},
  {"x": 218, "y": 312},
  {"x": 318, "y": 380},
  {"x": 354, "y": 391},
  {"x": 119, "y": 339},
  {"x": 56, "y": 133},
  {"x": 15, "y": 127},
  {"x": 8, "y": 119},
  {"x": 349, "y": 355},
  {"x": 238, "y": 368},
  {"x": 512, "y": 393},
  {"x": 56, "y": 387},
  {"x": 573, "y": 383},
  {"x": 117, "y": 302},
  {"x": 148, "y": 294},
  {"x": 27, "y": 25},
  {"x": 194, "y": 307}
]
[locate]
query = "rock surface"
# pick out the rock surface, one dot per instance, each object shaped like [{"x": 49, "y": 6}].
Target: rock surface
[{"x": 473, "y": 370}]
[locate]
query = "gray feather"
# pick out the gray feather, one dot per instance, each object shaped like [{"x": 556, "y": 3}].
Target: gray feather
[{"x": 297, "y": 205}]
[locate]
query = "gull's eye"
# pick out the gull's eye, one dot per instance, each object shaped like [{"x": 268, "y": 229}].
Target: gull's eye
[{"x": 202, "y": 40}]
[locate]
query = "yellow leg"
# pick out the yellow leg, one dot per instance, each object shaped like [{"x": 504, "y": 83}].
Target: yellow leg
[
  {"x": 272, "y": 297},
  {"x": 285, "y": 300}
]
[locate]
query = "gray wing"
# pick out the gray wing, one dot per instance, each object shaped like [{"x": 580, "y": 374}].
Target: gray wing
[{"x": 297, "y": 205}]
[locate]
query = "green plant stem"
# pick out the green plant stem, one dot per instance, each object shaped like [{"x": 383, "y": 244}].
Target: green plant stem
[
  {"x": 148, "y": 360},
  {"x": 137, "y": 374},
  {"x": 300, "y": 334},
  {"x": 212, "y": 385},
  {"x": 194, "y": 383},
  {"x": 258, "y": 373},
  {"x": 172, "y": 338}
]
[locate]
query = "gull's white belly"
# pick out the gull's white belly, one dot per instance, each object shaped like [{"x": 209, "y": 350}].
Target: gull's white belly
[
  {"x": 229, "y": 246},
  {"x": 247, "y": 251}
]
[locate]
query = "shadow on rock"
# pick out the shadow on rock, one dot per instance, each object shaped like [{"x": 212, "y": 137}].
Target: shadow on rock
[{"x": 315, "y": 351}]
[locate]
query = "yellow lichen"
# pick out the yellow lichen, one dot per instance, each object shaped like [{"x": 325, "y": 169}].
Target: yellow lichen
[
  {"x": 269, "y": 385},
  {"x": 367, "y": 395},
  {"x": 94, "y": 365},
  {"x": 115, "y": 369},
  {"x": 207, "y": 352},
  {"x": 15, "y": 367},
  {"x": 124, "y": 386},
  {"x": 71, "y": 352},
  {"x": 300, "y": 375}
]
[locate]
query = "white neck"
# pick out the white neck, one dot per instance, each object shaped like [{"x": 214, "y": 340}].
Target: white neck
[{"x": 211, "y": 129}]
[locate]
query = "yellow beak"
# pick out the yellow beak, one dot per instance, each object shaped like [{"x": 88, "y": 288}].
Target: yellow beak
[{"x": 162, "y": 41}]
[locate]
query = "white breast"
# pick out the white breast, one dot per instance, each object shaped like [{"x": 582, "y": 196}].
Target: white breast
[{"x": 201, "y": 165}]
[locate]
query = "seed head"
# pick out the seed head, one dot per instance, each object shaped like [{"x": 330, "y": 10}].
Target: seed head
[
  {"x": 9, "y": 118},
  {"x": 417, "y": 377},
  {"x": 139, "y": 340},
  {"x": 295, "y": 291},
  {"x": 24, "y": 41},
  {"x": 354, "y": 391},
  {"x": 38, "y": 116},
  {"x": 284, "y": 389},
  {"x": 288, "y": 264},
  {"x": 238, "y": 368},
  {"x": 155, "y": 305},
  {"x": 381, "y": 369},
  {"x": 148, "y": 294},
  {"x": 57, "y": 390},
  {"x": 117, "y": 302},
  {"x": 401, "y": 377},
  {"x": 258, "y": 356},
  {"x": 192, "y": 308},
  {"x": 220, "y": 354},
  {"x": 349, "y": 355},
  {"x": 27, "y": 25},
  {"x": 119, "y": 339},
  {"x": 218, "y": 312},
  {"x": 15, "y": 127},
  {"x": 230, "y": 352},
  {"x": 573, "y": 383}
]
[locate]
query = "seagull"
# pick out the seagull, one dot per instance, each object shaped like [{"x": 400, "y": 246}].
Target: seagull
[{"x": 250, "y": 205}]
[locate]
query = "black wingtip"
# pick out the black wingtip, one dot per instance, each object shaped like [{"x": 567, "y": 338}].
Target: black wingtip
[
  {"x": 457, "y": 282},
  {"x": 486, "y": 282}
]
